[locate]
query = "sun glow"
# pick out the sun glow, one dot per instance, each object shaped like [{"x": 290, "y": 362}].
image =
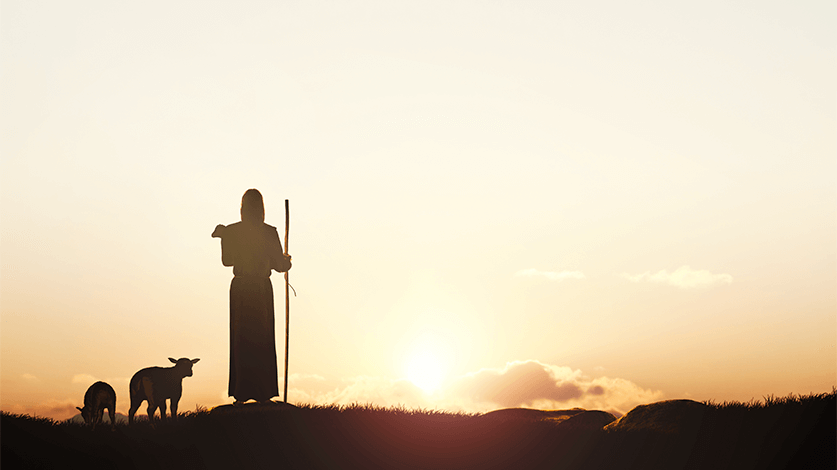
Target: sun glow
[{"x": 425, "y": 371}]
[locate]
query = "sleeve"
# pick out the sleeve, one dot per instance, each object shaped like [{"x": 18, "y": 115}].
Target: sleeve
[{"x": 228, "y": 249}]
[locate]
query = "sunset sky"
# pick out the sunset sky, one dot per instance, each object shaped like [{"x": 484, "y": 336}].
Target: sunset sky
[{"x": 493, "y": 204}]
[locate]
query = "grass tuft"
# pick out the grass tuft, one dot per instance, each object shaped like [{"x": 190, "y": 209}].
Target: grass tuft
[{"x": 771, "y": 401}]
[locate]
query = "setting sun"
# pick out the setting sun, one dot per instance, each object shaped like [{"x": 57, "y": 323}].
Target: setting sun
[{"x": 425, "y": 371}]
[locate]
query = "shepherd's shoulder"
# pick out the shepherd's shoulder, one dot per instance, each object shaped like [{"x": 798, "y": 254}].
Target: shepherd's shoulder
[
  {"x": 240, "y": 227},
  {"x": 233, "y": 229}
]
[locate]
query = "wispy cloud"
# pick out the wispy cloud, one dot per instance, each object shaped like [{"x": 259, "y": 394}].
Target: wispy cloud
[
  {"x": 28, "y": 376},
  {"x": 84, "y": 379},
  {"x": 52, "y": 408},
  {"x": 534, "y": 384},
  {"x": 297, "y": 377},
  {"x": 550, "y": 275},
  {"x": 87, "y": 379},
  {"x": 530, "y": 384},
  {"x": 683, "y": 277},
  {"x": 521, "y": 383}
]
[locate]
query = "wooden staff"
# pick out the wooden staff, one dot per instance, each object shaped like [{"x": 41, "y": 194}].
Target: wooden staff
[{"x": 287, "y": 302}]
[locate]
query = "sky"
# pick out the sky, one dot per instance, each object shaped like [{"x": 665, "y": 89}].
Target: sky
[{"x": 492, "y": 204}]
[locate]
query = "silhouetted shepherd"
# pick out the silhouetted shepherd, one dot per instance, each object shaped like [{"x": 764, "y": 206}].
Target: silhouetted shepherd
[
  {"x": 99, "y": 396},
  {"x": 253, "y": 249},
  {"x": 156, "y": 384}
]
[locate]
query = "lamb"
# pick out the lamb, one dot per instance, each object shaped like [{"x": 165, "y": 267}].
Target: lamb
[
  {"x": 156, "y": 384},
  {"x": 99, "y": 396}
]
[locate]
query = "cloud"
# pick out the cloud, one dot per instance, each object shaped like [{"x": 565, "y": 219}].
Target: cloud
[
  {"x": 557, "y": 276},
  {"x": 305, "y": 378},
  {"x": 28, "y": 376},
  {"x": 533, "y": 384},
  {"x": 519, "y": 384},
  {"x": 683, "y": 277},
  {"x": 52, "y": 408},
  {"x": 84, "y": 379},
  {"x": 58, "y": 408},
  {"x": 87, "y": 379},
  {"x": 530, "y": 384}
]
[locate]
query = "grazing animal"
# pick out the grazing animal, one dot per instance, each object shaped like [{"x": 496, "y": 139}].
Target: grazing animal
[
  {"x": 98, "y": 397},
  {"x": 156, "y": 384}
]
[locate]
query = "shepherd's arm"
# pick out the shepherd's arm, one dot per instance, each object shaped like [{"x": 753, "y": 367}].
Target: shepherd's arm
[{"x": 227, "y": 258}]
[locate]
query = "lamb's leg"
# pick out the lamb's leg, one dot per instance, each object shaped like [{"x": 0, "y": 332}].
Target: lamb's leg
[
  {"x": 152, "y": 408},
  {"x": 131, "y": 411},
  {"x": 163, "y": 410},
  {"x": 173, "y": 409},
  {"x": 99, "y": 414},
  {"x": 112, "y": 414}
]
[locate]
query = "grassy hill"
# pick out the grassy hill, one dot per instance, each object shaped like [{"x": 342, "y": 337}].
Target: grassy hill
[{"x": 791, "y": 432}]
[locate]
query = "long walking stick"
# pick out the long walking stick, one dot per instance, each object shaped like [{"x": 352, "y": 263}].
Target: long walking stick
[{"x": 287, "y": 302}]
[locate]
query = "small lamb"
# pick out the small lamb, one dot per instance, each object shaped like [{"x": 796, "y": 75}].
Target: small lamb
[
  {"x": 156, "y": 384},
  {"x": 98, "y": 397}
]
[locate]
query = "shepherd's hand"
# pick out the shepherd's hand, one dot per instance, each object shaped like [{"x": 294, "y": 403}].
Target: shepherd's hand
[
  {"x": 219, "y": 231},
  {"x": 281, "y": 264}
]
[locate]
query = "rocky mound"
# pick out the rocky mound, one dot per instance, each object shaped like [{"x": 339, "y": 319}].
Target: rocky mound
[
  {"x": 670, "y": 416},
  {"x": 588, "y": 421},
  {"x": 528, "y": 414},
  {"x": 253, "y": 407}
]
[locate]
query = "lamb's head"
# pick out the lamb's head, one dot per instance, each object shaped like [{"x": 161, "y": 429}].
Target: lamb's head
[
  {"x": 86, "y": 414},
  {"x": 183, "y": 366}
]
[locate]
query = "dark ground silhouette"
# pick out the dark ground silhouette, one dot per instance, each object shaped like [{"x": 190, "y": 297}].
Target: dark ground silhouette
[{"x": 795, "y": 432}]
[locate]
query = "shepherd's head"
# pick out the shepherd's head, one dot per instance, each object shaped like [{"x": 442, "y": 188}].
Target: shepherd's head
[{"x": 252, "y": 206}]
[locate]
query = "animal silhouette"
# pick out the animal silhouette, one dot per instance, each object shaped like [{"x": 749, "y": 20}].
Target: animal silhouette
[
  {"x": 156, "y": 384},
  {"x": 99, "y": 396}
]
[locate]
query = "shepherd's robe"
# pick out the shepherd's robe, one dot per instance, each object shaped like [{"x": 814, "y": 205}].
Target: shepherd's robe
[{"x": 253, "y": 250}]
